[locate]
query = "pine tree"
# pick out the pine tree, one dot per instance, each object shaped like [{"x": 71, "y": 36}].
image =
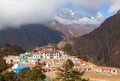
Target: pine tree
[{"x": 69, "y": 74}]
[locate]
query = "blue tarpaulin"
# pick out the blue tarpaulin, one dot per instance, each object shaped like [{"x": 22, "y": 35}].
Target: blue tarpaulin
[{"x": 19, "y": 68}]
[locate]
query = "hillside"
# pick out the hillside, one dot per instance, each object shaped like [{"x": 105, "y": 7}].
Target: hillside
[
  {"x": 29, "y": 36},
  {"x": 69, "y": 31},
  {"x": 103, "y": 44}
]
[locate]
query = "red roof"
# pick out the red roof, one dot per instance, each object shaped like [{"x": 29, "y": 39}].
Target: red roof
[
  {"x": 45, "y": 50},
  {"x": 106, "y": 68},
  {"x": 31, "y": 65},
  {"x": 82, "y": 67},
  {"x": 81, "y": 60},
  {"x": 35, "y": 52}
]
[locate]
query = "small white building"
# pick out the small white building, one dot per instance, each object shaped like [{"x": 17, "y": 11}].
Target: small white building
[
  {"x": 36, "y": 55},
  {"x": 111, "y": 70},
  {"x": 83, "y": 68},
  {"x": 51, "y": 55},
  {"x": 76, "y": 60},
  {"x": 30, "y": 57},
  {"x": 50, "y": 52},
  {"x": 11, "y": 59}
]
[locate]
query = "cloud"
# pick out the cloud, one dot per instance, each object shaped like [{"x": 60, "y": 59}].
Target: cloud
[
  {"x": 93, "y": 6},
  {"x": 17, "y": 12},
  {"x": 115, "y": 6},
  {"x": 90, "y": 5}
]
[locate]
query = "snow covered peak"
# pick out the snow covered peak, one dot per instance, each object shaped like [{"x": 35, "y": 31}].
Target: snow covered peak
[{"x": 67, "y": 16}]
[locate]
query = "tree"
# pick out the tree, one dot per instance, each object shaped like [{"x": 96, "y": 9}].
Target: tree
[
  {"x": 68, "y": 49},
  {"x": 69, "y": 74},
  {"x": 81, "y": 55},
  {"x": 2, "y": 64},
  {"x": 1, "y": 77},
  {"x": 9, "y": 49},
  {"x": 11, "y": 76},
  {"x": 36, "y": 74},
  {"x": 24, "y": 73},
  {"x": 68, "y": 64}
]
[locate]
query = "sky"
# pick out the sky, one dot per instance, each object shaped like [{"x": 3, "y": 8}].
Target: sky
[{"x": 18, "y": 12}]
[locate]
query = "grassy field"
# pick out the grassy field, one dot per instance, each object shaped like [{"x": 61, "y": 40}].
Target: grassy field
[
  {"x": 102, "y": 77},
  {"x": 94, "y": 76}
]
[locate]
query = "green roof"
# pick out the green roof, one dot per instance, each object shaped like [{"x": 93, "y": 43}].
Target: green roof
[
  {"x": 30, "y": 55},
  {"x": 25, "y": 58}
]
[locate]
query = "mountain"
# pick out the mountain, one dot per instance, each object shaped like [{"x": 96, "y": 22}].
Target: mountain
[
  {"x": 102, "y": 44},
  {"x": 67, "y": 16},
  {"x": 69, "y": 31},
  {"x": 73, "y": 24},
  {"x": 29, "y": 36}
]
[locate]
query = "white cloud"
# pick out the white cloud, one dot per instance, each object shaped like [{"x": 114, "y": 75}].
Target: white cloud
[
  {"x": 94, "y": 6},
  {"x": 99, "y": 16},
  {"x": 17, "y": 12},
  {"x": 115, "y": 6},
  {"x": 90, "y": 5}
]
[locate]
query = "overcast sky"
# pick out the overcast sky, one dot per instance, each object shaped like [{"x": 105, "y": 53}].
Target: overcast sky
[{"x": 18, "y": 12}]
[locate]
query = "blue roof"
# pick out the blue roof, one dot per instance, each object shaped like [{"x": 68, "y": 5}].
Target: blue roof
[
  {"x": 19, "y": 68},
  {"x": 36, "y": 54}
]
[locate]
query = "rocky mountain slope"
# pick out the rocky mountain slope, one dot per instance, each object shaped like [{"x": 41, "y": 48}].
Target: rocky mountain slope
[
  {"x": 69, "y": 31},
  {"x": 29, "y": 36},
  {"x": 103, "y": 43}
]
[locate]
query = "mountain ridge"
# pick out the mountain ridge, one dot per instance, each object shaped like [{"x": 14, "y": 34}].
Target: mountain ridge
[
  {"x": 29, "y": 36},
  {"x": 67, "y": 16},
  {"x": 102, "y": 44}
]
